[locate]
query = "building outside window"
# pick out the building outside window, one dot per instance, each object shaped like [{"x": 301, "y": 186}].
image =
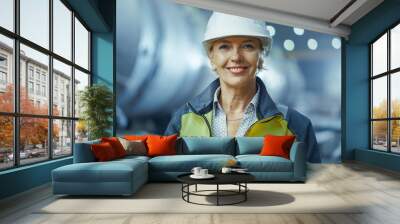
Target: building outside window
[
  {"x": 385, "y": 91},
  {"x": 59, "y": 133}
]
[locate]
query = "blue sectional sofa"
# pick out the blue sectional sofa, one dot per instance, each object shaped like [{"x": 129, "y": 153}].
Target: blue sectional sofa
[{"x": 125, "y": 176}]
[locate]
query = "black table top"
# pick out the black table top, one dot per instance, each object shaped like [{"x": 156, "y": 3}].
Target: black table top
[{"x": 220, "y": 178}]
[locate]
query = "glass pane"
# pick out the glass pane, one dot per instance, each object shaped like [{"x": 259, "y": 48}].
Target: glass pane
[
  {"x": 395, "y": 136},
  {"x": 6, "y": 74},
  {"x": 62, "y": 138},
  {"x": 81, "y": 81},
  {"x": 379, "y": 55},
  {"x": 379, "y": 135},
  {"x": 81, "y": 131},
  {"x": 7, "y": 14},
  {"x": 33, "y": 139},
  {"x": 395, "y": 94},
  {"x": 81, "y": 45},
  {"x": 395, "y": 47},
  {"x": 379, "y": 97},
  {"x": 34, "y": 97},
  {"x": 6, "y": 142},
  {"x": 62, "y": 29},
  {"x": 62, "y": 89},
  {"x": 35, "y": 21}
]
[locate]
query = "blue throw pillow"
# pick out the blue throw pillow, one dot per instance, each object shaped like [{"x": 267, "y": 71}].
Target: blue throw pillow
[
  {"x": 206, "y": 145},
  {"x": 249, "y": 145}
]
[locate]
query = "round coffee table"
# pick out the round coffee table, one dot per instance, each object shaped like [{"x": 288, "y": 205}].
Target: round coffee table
[{"x": 238, "y": 179}]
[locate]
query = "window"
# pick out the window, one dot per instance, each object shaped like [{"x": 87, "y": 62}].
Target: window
[
  {"x": 62, "y": 29},
  {"x": 3, "y": 78},
  {"x": 30, "y": 87},
  {"x": 54, "y": 125},
  {"x": 7, "y": 14},
  {"x": 6, "y": 73},
  {"x": 3, "y": 61},
  {"x": 30, "y": 72},
  {"x": 34, "y": 21},
  {"x": 385, "y": 94},
  {"x": 38, "y": 89},
  {"x": 81, "y": 45},
  {"x": 38, "y": 74},
  {"x": 44, "y": 91}
]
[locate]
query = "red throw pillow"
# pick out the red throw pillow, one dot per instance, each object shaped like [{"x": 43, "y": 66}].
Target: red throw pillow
[
  {"x": 116, "y": 145},
  {"x": 103, "y": 151},
  {"x": 277, "y": 145},
  {"x": 161, "y": 145}
]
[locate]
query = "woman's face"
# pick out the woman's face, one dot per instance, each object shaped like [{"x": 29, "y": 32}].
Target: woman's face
[{"x": 235, "y": 59}]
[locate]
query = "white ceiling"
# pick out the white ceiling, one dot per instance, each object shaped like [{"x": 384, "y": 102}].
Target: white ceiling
[{"x": 324, "y": 16}]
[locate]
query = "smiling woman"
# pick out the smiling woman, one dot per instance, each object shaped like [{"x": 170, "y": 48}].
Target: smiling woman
[{"x": 237, "y": 102}]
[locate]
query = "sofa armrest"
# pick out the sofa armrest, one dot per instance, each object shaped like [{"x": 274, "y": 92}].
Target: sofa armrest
[
  {"x": 83, "y": 152},
  {"x": 298, "y": 157}
]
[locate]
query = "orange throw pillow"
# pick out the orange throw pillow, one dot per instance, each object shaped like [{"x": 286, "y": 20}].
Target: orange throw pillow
[
  {"x": 103, "y": 152},
  {"x": 116, "y": 145},
  {"x": 135, "y": 137},
  {"x": 277, "y": 146},
  {"x": 161, "y": 145}
]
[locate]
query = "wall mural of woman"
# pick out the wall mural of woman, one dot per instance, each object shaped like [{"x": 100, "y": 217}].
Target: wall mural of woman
[
  {"x": 237, "y": 102},
  {"x": 165, "y": 66}
]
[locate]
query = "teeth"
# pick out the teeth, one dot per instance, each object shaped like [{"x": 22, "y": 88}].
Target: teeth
[{"x": 237, "y": 69}]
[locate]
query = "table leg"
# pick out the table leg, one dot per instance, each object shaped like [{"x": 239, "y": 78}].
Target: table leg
[
  {"x": 217, "y": 194},
  {"x": 196, "y": 188},
  {"x": 188, "y": 190},
  {"x": 245, "y": 193}
]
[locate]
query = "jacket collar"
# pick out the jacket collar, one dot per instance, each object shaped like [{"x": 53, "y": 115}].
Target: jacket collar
[{"x": 203, "y": 102}]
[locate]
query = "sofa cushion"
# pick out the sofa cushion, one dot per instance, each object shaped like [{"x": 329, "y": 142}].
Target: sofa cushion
[
  {"x": 249, "y": 145},
  {"x": 111, "y": 171},
  {"x": 257, "y": 163},
  {"x": 185, "y": 163},
  {"x": 206, "y": 145}
]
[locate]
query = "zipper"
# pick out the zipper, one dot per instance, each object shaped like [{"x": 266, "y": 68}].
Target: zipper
[{"x": 204, "y": 117}]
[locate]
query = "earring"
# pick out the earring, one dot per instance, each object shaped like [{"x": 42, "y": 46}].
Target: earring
[{"x": 213, "y": 67}]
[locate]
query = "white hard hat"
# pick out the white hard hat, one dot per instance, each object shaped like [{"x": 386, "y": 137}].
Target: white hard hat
[{"x": 222, "y": 25}]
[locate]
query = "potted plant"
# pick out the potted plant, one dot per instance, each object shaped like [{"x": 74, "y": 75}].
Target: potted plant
[{"x": 96, "y": 102}]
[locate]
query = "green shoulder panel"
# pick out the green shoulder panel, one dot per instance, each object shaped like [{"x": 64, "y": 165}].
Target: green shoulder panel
[
  {"x": 275, "y": 125},
  {"x": 195, "y": 125}
]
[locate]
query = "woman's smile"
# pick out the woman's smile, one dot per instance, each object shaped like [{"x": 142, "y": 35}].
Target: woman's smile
[{"x": 237, "y": 69}]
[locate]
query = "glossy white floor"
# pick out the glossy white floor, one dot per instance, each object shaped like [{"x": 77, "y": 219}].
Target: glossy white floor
[{"x": 377, "y": 188}]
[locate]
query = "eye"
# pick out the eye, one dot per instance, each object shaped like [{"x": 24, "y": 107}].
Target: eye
[
  {"x": 223, "y": 47},
  {"x": 248, "y": 46}
]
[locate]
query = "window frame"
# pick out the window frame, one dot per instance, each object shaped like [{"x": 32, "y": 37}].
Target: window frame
[
  {"x": 16, "y": 114},
  {"x": 388, "y": 74}
]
